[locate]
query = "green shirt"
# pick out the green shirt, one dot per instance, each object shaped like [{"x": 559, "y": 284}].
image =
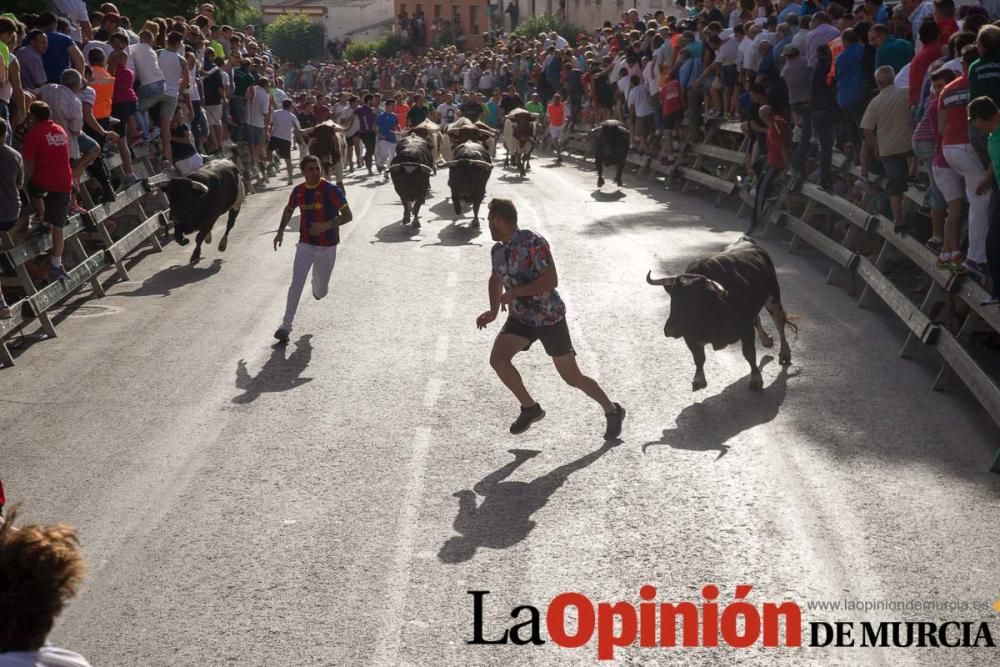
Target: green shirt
[
  {"x": 895, "y": 52},
  {"x": 242, "y": 79},
  {"x": 534, "y": 107},
  {"x": 984, "y": 78},
  {"x": 994, "y": 148}
]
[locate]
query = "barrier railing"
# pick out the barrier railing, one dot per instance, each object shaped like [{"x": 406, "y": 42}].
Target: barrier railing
[
  {"x": 141, "y": 202},
  {"x": 713, "y": 165}
]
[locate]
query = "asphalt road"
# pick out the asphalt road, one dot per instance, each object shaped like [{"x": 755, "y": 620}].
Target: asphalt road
[{"x": 332, "y": 503}]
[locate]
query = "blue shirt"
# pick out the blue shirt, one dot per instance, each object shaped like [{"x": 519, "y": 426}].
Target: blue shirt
[
  {"x": 850, "y": 80},
  {"x": 792, "y": 8},
  {"x": 387, "y": 122},
  {"x": 492, "y": 114},
  {"x": 56, "y": 56}
]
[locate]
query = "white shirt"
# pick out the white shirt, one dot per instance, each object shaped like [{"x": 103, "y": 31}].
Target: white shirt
[
  {"x": 170, "y": 65},
  {"x": 729, "y": 51},
  {"x": 95, "y": 44},
  {"x": 283, "y": 123},
  {"x": 193, "y": 92},
  {"x": 145, "y": 63},
  {"x": 258, "y": 106},
  {"x": 47, "y": 656},
  {"x": 448, "y": 113},
  {"x": 76, "y": 12},
  {"x": 744, "y": 50},
  {"x": 624, "y": 85},
  {"x": 640, "y": 98},
  {"x": 561, "y": 42}
]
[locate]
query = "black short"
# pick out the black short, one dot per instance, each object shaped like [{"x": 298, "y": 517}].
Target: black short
[
  {"x": 282, "y": 147},
  {"x": 56, "y": 209},
  {"x": 555, "y": 337}
]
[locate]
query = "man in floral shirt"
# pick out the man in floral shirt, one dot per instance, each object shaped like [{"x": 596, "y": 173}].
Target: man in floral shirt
[{"x": 524, "y": 280}]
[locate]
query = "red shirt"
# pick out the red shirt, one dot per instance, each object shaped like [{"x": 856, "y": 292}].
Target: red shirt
[
  {"x": 47, "y": 145},
  {"x": 670, "y": 97},
  {"x": 918, "y": 70},
  {"x": 778, "y": 137},
  {"x": 322, "y": 113},
  {"x": 953, "y": 101}
]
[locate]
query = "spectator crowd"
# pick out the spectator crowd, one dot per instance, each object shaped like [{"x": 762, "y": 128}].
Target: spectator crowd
[{"x": 886, "y": 86}]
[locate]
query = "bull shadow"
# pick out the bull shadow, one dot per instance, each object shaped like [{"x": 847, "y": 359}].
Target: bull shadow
[
  {"x": 514, "y": 177},
  {"x": 602, "y": 196},
  {"x": 707, "y": 426},
  {"x": 454, "y": 235},
  {"x": 163, "y": 283},
  {"x": 397, "y": 232},
  {"x": 277, "y": 374},
  {"x": 503, "y": 518}
]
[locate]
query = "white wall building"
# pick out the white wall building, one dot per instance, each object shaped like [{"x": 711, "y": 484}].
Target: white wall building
[
  {"x": 360, "y": 20},
  {"x": 588, "y": 14}
]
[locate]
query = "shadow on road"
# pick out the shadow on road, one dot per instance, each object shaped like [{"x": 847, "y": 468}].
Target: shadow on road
[
  {"x": 707, "y": 426},
  {"x": 396, "y": 232},
  {"x": 277, "y": 373},
  {"x": 504, "y": 517},
  {"x": 454, "y": 235},
  {"x": 178, "y": 275},
  {"x": 601, "y": 195}
]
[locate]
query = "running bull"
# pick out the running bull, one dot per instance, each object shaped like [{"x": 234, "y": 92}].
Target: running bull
[
  {"x": 718, "y": 300},
  {"x": 327, "y": 142},
  {"x": 467, "y": 176},
  {"x": 430, "y": 132},
  {"x": 519, "y": 130},
  {"x": 611, "y": 145},
  {"x": 410, "y": 170},
  {"x": 198, "y": 199}
]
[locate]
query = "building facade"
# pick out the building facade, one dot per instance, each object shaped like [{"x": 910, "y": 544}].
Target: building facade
[{"x": 358, "y": 20}]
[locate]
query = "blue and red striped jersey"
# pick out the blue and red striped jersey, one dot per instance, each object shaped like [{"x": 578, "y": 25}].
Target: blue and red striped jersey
[{"x": 319, "y": 203}]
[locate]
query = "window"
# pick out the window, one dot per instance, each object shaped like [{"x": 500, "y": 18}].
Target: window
[
  {"x": 437, "y": 12},
  {"x": 473, "y": 20}
]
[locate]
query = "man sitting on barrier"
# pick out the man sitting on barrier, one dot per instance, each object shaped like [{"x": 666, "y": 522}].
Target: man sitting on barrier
[{"x": 49, "y": 176}]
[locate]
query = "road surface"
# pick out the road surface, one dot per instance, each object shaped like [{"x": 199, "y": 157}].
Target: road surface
[{"x": 332, "y": 503}]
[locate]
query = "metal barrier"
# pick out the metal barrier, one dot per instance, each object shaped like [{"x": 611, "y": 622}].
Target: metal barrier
[
  {"x": 713, "y": 165},
  {"x": 141, "y": 201}
]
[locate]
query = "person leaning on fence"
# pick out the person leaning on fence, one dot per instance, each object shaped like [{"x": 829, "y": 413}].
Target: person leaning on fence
[
  {"x": 779, "y": 138},
  {"x": 41, "y": 569},
  {"x": 11, "y": 182},
  {"x": 985, "y": 116},
  {"x": 889, "y": 133}
]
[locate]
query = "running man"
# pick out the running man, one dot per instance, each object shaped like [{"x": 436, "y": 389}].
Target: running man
[
  {"x": 524, "y": 278},
  {"x": 323, "y": 210},
  {"x": 557, "y": 119}
]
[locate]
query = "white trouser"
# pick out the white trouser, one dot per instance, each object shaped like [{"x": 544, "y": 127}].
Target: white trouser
[
  {"x": 307, "y": 256},
  {"x": 964, "y": 159},
  {"x": 384, "y": 151}
]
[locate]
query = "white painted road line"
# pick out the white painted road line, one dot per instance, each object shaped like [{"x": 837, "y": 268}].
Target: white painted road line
[
  {"x": 441, "y": 353},
  {"x": 432, "y": 392},
  {"x": 390, "y": 635}
]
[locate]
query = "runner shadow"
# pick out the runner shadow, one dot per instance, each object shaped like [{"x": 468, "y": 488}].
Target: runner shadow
[
  {"x": 503, "y": 519},
  {"x": 707, "y": 426},
  {"x": 277, "y": 373},
  {"x": 172, "y": 277},
  {"x": 601, "y": 195}
]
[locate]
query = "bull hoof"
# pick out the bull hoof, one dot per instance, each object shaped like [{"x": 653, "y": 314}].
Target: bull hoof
[
  {"x": 458, "y": 208},
  {"x": 698, "y": 383},
  {"x": 756, "y": 382},
  {"x": 619, "y": 183},
  {"x": 600, "y": 182},
  {"x": 475, "y": 223},
  {"x": 767, "y": 342},
  {"x": 223, "y": 243},
  {"x": 785, "y": 358},
  {"x": 416, "y": 224},
  {"x": 195, "y": 258},
  {"x": 406, "y": 221},
  {"x": 208, "y": 237},
  {"x": 183, "y": 241}
]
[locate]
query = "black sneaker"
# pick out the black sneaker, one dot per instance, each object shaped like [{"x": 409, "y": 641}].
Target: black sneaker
[
  {"x": 527, "y": 417},
  {"x": 281, "y": 335},
  {"x": 615, "y": 420}
]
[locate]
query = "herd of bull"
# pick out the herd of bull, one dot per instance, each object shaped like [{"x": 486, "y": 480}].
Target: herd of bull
[{"x": 717, "y": 300}]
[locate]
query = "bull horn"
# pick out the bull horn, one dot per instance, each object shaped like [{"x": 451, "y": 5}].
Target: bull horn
[
  {"x": 664, "y": 282},
  {"x": 199, "y": 187}
]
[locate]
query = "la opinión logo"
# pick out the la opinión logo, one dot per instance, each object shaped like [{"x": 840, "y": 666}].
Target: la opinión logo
[{"x": 738, "y": 624}]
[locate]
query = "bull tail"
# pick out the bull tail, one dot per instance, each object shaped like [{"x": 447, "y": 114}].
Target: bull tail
[{"x": 790, "y": 321}]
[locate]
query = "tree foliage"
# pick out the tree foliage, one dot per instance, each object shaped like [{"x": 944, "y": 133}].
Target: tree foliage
[
  {"x": 387, "y": 46},
  {"x": 531, "y": 26},
  {"x": 295, "y": 39}
]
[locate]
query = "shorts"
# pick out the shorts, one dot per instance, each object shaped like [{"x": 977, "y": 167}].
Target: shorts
[
  {"x": 673, "y": 120},
  {"x": 730, "y": 76},
  {"x": 56, "y": 209},
  {"x": 950, "y": 183},
  {"x": 214, "y": 113},
  {"x": 282, "y": 147},
  {"x": 255, "y": 135},
  {"x": 555, "y": 131},
  {"x": 150, "y": 95},
  {"x": 896, "y": 174},
  {"x": 86, "y": 143},
  {"x": 124, "y": 110},
  {"x": 555, "y": 337},
  {"x": 643, "y": 124}
]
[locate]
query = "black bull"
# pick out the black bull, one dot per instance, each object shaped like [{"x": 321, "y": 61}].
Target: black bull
[
  {"x": 198, "y": 199},
  {"x": 410, "y": 170},
  {"x": 718, "y": 300},
  {"x": 467, "y": 176},
  {"x": 611, "y": 145}
]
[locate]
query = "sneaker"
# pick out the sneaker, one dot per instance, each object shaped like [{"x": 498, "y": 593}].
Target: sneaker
[
  {"x": 527, "y": 417},
  {"x": 5, "y": 313},
  {"x": 615, "y": 420},
  {"x": 58, "y": 272},
  {"x": 934, "y": 245},
  {"x": 977, "y": 270},
  {"x": 282, "y": 335}
]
